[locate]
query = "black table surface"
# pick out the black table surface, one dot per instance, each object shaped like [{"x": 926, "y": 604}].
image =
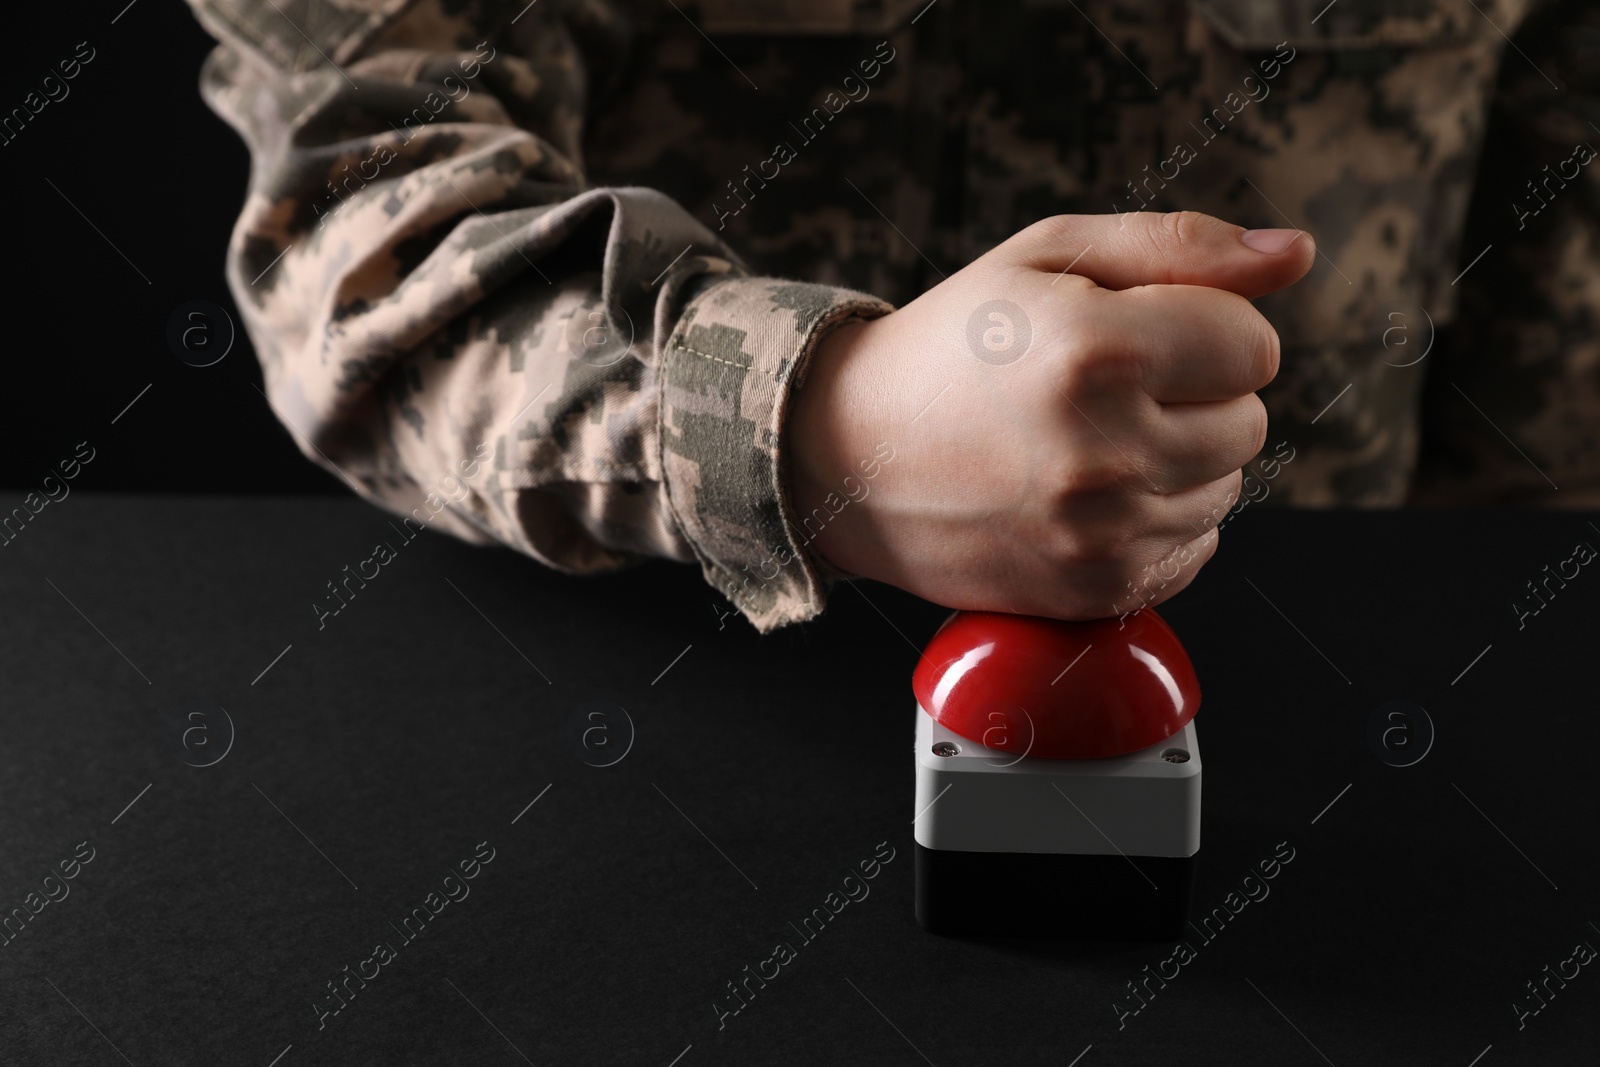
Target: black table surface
[{"x": 331, "y": 779}]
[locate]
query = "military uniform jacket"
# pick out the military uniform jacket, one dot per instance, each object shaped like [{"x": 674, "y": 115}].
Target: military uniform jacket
[{"x": 548, "y": 273}]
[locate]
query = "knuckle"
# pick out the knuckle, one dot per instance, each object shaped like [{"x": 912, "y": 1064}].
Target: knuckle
[
  {"x": 1091, "y": 548},
  {"x": 1094, "y": 517},
  {"x": 1225, "y": 492},
  {"x": 1160, "y": 576},
  {"x": 1089, "y": 481},
  {"x": 1257, "y": 341},
  {"x": 1228, "y": 496},
  {"x": 1235, "y": 487},
  {"x": 1093, "y": 363},
  {"x": 1266, "y": 353},
  {"x": 1181, "y": 228},
  {"x": 1258, "y": 426},
  {"x": 1090, "y": 514},
  {"x": 1111, "y": 373},
  {"x": 1250, "y": 339},
  {"x": 1048, "y": 231}
]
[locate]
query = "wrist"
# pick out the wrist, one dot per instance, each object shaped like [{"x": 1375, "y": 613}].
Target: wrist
[{"x": 817, "y": 438}]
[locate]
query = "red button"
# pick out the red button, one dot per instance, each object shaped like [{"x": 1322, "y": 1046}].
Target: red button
[{"x": 1059, "y": 690}]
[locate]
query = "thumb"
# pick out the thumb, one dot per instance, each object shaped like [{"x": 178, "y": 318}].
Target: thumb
[{"x": 1172, "y": 248}]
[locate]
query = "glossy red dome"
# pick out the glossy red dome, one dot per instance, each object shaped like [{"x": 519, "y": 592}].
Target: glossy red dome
[{"x": 1059, "y": 690}]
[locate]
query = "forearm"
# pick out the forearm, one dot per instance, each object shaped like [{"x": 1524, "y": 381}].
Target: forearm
[{"x": 452, "y": 321}]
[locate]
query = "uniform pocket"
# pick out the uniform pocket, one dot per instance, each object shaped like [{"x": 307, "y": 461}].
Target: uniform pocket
[
  {"x": 1262, "y": 25},
  {"x": 806, "y": 17}
]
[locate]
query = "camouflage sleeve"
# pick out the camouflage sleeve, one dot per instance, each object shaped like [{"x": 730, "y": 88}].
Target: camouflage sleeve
[{"x": 454, "y": 322}]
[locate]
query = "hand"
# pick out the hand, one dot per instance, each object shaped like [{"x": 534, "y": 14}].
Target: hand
[{"x": 1067, "y": 416}]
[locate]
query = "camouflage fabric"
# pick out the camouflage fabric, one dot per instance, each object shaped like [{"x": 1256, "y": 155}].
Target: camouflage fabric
[{"x": 590, "y": 243}]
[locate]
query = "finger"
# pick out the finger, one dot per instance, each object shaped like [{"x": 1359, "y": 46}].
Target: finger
[
  {"x": 1189, "y": 558},
  {"x": 1174, "y": 248},
  {"x": 1188, "y": 514},
  {"x": 1196, "y": 344},
  {"x": 1194, "y": 445},
  {"x": 1170, "y": 543},
  {"x": 1182, "y": 536},
  {"x": 1108, "y": 590},
  {"x": 1168, "y": 572}
]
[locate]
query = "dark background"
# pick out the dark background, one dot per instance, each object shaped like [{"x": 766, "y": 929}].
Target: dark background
[
  {"x": 438, "y": 704},
  {"x": 143, "y": 159}
]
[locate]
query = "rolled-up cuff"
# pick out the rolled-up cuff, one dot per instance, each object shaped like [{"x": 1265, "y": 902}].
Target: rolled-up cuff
[{"x": 728, "y": 368}]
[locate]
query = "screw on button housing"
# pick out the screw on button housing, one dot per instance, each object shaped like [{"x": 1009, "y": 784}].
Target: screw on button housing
[
  {"x": 1175, "y": 755},
  {"x": 948, "y": 748}
]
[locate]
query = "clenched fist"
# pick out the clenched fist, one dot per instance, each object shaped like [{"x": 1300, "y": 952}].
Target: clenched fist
[{"x": 1067, "y": 415}]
